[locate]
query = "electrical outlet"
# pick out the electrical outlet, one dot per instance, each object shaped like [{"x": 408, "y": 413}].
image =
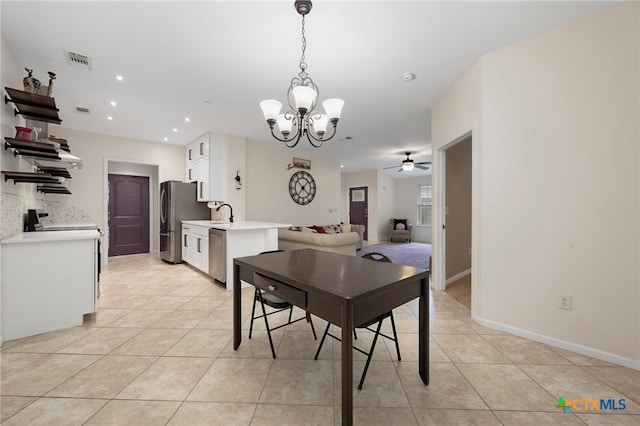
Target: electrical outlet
[{"x": 564, "y": 302}]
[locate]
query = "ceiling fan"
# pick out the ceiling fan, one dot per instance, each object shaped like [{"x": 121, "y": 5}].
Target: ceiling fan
[{"x": 408, "y": 164}]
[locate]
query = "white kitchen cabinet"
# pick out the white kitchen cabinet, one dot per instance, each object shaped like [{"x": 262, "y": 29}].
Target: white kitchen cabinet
[
  {"x": 195, "y": 151},
  {"x": 212, "y": 160},
  {"x": 195, "y": 246},
  {"x": 49, "y": 281}
]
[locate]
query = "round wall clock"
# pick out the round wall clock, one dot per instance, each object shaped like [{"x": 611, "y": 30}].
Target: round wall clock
[{"x": 302, "y": 187}]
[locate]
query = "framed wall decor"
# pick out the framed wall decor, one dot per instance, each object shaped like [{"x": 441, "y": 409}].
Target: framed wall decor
[{"x": 302, "y": 164}]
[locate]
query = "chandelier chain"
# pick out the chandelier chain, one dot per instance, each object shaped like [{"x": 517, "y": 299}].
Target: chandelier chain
[{"x": 303, "y": 64}]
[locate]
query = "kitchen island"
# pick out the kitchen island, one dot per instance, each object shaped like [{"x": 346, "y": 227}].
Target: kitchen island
[
  {"x": 239, "y": 239},
  {"x": 49, "y": 281}
]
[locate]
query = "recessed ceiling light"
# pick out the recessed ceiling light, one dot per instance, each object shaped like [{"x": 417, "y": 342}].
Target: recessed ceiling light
[
  {"x": 175, "y": 130},
  {"x": 187, "y": 119},
  {"x": 119, "y": 77},
  {"x": 408, "y": 76},
  {"x": 114, "y": 103},
  {"x": 109, "y": 118},
  {"x": 166, "y": 139},
  {"x": 342, "y": 166}
]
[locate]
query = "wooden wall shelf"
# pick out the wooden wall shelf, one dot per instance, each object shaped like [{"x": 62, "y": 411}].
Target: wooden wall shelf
[
  {"x": 27, "y": 177},
  {"x": 33, "y": 107},
  {"x": 55, "y": 171},
  {"x": 47, "y": 189},
  {"x": 31, "y": 149}
]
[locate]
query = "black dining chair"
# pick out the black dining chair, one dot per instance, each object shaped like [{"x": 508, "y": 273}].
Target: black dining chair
[
  {"x": 278, "y": 305},
  {"x": 368, "y": 325}
]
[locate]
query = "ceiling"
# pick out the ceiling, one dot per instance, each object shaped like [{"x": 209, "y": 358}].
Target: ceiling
[{"x": 214, "y": 61}]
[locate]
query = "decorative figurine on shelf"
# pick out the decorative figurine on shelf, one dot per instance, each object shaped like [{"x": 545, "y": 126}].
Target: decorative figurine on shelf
[
  {"x": 52, "y": 76},
  {"x": 31, "y": 84}
]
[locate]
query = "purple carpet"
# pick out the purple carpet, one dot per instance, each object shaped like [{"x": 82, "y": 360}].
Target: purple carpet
[{"x": 410, "y": 254}]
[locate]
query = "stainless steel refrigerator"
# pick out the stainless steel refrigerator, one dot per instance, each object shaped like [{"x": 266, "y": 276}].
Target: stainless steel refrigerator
[{"x": 177, "y": 203}]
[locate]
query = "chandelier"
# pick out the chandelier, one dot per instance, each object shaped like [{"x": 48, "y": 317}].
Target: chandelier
[{"x": 302, "y": 96}]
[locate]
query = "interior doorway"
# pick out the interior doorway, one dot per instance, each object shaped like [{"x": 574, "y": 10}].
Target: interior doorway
[
  {"x": 359, "y": 207},
  {"x": 128, "y": 214},
  {"x": 454, "y": 209}
]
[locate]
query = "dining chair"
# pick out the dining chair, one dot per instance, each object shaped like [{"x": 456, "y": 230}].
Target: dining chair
[
  {"x": 278, "y": 305},
  {"x": 368, "y": 325}
]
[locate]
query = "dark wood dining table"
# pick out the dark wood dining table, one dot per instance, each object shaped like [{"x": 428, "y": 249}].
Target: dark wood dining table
[{"x": 344, "y": 290}]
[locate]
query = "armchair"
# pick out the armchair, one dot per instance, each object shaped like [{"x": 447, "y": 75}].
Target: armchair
[{"x": 399, "y": 229}]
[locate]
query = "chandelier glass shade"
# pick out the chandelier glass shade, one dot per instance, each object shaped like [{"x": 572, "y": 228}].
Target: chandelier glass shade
[{"x": 302, "y": 119}]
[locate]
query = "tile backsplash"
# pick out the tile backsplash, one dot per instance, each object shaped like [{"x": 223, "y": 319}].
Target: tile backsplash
[{"x": 13, "y": 207}]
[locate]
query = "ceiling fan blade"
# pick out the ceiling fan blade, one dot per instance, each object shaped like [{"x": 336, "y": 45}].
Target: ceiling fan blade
[
  {"x": 423, "y": 162},
  {"x": 421, "y": 167},
  {"x": 392, "y": 167},
  {"x": 400, "y": 169}
]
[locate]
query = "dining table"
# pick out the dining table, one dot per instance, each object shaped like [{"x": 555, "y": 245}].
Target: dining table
[{"x": 341, "y": 289}]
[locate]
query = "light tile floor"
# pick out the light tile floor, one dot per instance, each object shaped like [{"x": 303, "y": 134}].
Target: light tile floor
[{"x": 159, "y": 351}]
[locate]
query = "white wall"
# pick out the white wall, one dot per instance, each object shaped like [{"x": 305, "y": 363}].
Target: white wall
[
  {"x": 406, "y": 205},
  {"x": 267, "y": 186},
  {"x": 88, "y": 184},
  {"x": 387, "y": 204},
  {"x": 15, "y": 198},
  {"x": 557, "y": 183}
]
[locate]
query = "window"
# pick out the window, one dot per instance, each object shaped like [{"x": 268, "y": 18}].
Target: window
[{"x": 424, "y": 205}]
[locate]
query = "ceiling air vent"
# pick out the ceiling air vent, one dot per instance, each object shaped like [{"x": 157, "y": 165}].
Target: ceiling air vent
[
  {"x": 82, "y": 110},
  {"x": 77, "y": 60}
]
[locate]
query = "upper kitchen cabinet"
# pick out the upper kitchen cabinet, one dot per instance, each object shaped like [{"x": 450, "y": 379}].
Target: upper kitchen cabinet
[{"x": 213, "y": 160}]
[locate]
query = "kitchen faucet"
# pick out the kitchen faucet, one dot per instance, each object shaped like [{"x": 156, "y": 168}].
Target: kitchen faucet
[{"x": 230, "y": 209}]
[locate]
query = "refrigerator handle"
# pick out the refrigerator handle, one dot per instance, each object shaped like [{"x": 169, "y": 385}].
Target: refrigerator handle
[{"x": 163, "y": 206}]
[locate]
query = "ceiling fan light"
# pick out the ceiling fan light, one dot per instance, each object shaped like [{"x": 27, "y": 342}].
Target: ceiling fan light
[
  {"x": 407, "y": 166},
  {"x": 270, "y": 109},
  {"x": 333, "y": 108},
  {"x": 304, "y": 97}
]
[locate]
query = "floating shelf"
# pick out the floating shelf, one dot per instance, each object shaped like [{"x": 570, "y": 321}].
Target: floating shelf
[
  {"x": 63, "y": 143},
  {"x": 47, "y": 189},
  {"x": 33, "y": 107},
  {"x": 31, "y": 148},
  {"x": 26, "y": 177},
  {"x": 54, "y": 171}
]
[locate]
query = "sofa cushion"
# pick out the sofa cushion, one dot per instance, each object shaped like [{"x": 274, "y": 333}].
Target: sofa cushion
[
  {"x": 319, "y": 229},
  {"x": 400, "y": 221},
  {"x": 333, "y": 229}
]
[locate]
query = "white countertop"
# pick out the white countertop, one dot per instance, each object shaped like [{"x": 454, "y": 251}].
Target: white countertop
[
  {"x": 45, "y": 236},
  {"x": 241, "y": 225}
]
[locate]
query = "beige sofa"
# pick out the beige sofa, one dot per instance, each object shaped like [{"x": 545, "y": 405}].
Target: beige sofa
[{"x": 346, "y": 242}]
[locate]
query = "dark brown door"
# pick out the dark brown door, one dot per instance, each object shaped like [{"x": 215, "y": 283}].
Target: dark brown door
[
  {"x": 358, "y": 207},
  {"x": 128, "y": 214}
]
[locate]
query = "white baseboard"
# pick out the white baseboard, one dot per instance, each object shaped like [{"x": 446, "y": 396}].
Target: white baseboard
[
  {"x": 574, "y": 347},
  {"x": 456, "y": 277}
]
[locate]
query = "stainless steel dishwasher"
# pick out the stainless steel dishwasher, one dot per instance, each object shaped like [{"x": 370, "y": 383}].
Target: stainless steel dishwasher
[{"x": 218, "y": 255}]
